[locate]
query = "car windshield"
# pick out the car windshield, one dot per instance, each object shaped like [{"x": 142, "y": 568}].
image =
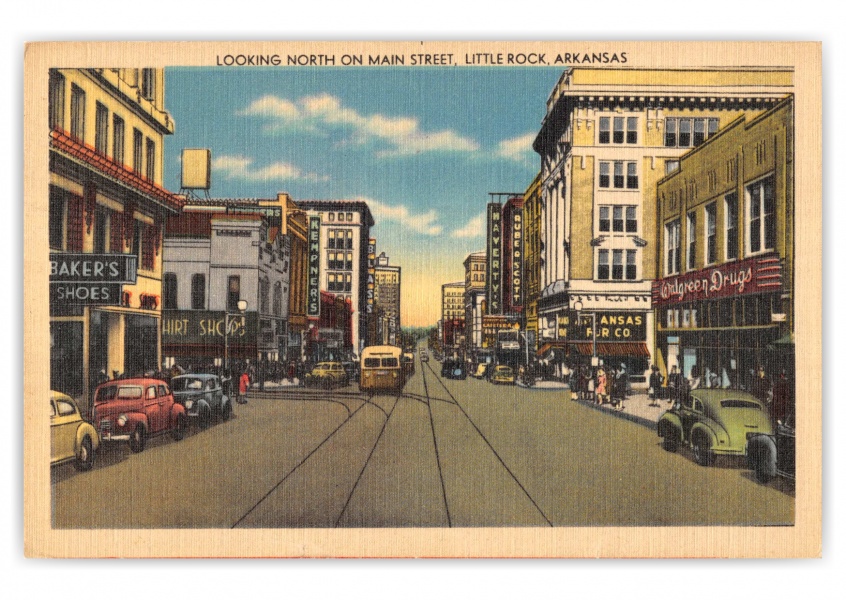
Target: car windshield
[
  {"x": 184, "y": 384},
  {"x": 324, "y": 366},
  {"x": 121, "y": 392},
  {"x": 504, "y": 370},
  {"x": 739, "y": 404}
]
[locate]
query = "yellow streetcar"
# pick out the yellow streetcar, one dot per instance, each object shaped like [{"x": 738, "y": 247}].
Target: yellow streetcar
[{"x": 381, "y": 368}]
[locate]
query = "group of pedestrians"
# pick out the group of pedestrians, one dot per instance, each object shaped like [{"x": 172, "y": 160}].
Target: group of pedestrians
[{"x": 603, "y": 385}]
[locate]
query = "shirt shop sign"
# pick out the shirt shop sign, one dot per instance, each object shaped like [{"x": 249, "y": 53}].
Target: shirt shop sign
[
  {"x": 207, "y": 326},
  {"x": 313, "y": 300},
  {"x": 750, "y": 276},
  {"x": 90, "y": 279}
]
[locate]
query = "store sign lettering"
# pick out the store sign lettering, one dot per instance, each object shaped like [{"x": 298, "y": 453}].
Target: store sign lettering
[
  {"x": 494, "y": 256},
  {"x": 313, "y": 297},
  {"x": 620, "y": 327},
  {"x": 93, "y": 268}
]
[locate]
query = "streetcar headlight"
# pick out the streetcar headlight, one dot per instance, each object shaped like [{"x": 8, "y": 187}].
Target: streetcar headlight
[
  {"x": 121, "y": 420},
  {"x": 394, "y": 374},
  {"x": 189, "y": 404}
]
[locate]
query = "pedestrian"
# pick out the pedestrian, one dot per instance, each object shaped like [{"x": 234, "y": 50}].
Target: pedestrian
[
  {"x": 781, "y": 399},
  {"x": 762, "y": 386},
  {"x": 601, "y": 389},
  {"x": 243, "y": 388},
  {"x": 621, "y": 386},
  {"x": 695, "y": 381},
  {"x": 676, "y": 385},
  {"x": 575, "y": 382},
  {"x": 656, "y": 380}
]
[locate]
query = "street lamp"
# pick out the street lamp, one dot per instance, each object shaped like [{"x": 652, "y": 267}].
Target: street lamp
[
  {"x": 579, "y": 306},
  {"x": 242, "y": 307}
]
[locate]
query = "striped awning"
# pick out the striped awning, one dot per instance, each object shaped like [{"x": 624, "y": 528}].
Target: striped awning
[
  {"x": 636, "y": 349},
  {"x": 550, "y": 345}
]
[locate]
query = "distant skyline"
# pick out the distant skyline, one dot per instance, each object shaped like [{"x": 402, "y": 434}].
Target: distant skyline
[{"x": 422, "y": 146}]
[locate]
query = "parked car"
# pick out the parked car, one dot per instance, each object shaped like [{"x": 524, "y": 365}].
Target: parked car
[
  {"x": 481, "y": 370},
  {"x": 71, "y": 436},
  {"x": 424, "y": 356},
  {"x": 775, "y": 454},
  {"x": 503, "y": 374},
  {"x": 713, "y": 422},
  {"x": 202, "y": 396},
  {"x": 132, "y": 410},
  {"x": 327, "y": 375},
  {"x": 453, "y": 369}
]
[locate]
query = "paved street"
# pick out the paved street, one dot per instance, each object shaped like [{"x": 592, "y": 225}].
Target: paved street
[{"x": 443, "y": 453}]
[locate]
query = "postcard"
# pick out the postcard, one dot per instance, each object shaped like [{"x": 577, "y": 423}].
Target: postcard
[{"x": 423, "y": 299}]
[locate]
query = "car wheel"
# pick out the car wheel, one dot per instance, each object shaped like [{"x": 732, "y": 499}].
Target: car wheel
[
  {"x": 670, "y": 441},
  {"x": 85, "y": 455},
  {"x": 205, "y": 418},
  {"x": 227, "y": 412},
  {"x": 702, "y": 450},
  {"x": 138, "y": 439},
  {"x": 181, "y": 427},
  {"x": 763, "y": 464}
]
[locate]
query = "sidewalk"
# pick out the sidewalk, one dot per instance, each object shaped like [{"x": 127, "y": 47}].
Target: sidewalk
[{"x": 637, "y": 405}]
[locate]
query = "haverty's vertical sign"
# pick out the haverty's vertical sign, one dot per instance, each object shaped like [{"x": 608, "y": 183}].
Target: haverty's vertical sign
[
  {"x": 90, "y": 279},
  {"x": 313, "y": 267},
  {"x": 494, "y": 272}
]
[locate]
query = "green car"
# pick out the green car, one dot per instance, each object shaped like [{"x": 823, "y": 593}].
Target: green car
[{"x": 713, "y": 422}]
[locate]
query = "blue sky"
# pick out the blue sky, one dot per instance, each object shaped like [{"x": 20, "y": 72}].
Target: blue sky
[{"x": 423, "y": 146}]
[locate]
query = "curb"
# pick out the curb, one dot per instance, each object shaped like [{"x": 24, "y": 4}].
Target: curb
[
  {"x": 543, "y": 388},
  {"x": 620, "y": 414}
]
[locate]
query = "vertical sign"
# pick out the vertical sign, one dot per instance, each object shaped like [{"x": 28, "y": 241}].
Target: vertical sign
[
  {"x": 314, "y": 266},
  {"x": 516, "y": 273},
  {"x": 371, "y": 274},
  {"x": 493, "y": 283}
]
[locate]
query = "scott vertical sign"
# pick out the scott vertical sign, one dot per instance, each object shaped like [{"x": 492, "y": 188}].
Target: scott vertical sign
[
  {"x": 313, "y": 299},
  {"x": 516, "y": 271},
  {"x": 493, "y": 284}
]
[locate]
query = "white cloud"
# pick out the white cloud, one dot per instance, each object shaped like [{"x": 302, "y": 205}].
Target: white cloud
[
  {"x": 518, "y": 149},
  {"x": 475, "y": 227},
  {"x": 325, "y": 113},
  {"x": 425, "y": 223},
  {"x": 241, "y": 167}
]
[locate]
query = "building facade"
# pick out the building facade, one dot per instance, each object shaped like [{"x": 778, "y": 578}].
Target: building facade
[
  {"x": 532, "y": 261},
  {"x": 452, "y": 329},
  {"x": 724, "y": 302},
  {"x": 386, "y": 297},
  {"x": 475, "y": 304},
  {"x": 344, "y": 239},
  {"x": 608, "y": 137},
  {"x": 106, "y": 139}
]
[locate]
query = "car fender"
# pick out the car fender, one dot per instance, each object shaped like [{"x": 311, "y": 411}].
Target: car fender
[
  {"x": 175, "y": 411},
  {"x": 706, "y": 429},
  {"x": 761, "y": 451},
  {"x": 669, "y": 419},
  {"x": 88, "y": 429},
  {"x": 133, "y": 419},
  {"x": 224, "y": 400},
  {"x": 202, "y": 404}
]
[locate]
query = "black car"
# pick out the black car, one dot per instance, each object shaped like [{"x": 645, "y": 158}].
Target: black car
[
  {"x": 453, "y": 369},
  {"x": 773, "y": 454},
  {"x": 202, "y": 396}
]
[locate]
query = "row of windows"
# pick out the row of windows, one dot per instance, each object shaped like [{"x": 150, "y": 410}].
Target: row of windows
[
  {"x": 729, "y": 312},
  {"x": 760, "y": 229},
  {"x": 617, "y": 265},
  {"x": 143, "y": 163},
  {"x": 341, "y": 217},
  {"x": 618, "y": 219},
  {"x": 678, "y": 132},
  {"x": 339, "y": 282},
  {"x": 625, "y": 175},
  {"x": 340, "y": 239},
  {"x": 341, "y": 261},
  {"x": 170, "y": 289}
]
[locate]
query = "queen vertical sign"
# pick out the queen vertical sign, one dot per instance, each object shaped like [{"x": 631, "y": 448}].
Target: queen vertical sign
[{"x": 314, "y": 267}]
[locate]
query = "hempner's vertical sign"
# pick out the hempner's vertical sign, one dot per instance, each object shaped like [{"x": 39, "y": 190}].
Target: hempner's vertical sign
[
  {"x": 494, "y": 269},
  {"x": 314, "y": 266}
]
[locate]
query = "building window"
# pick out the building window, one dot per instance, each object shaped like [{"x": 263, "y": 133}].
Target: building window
[
  {"x": 671, "y": 166},
  {"x": 684, "y": 133},
  {"x": 604, "y": 218},
  {"x": 711, "y": 224},
  {"x": 277, "y": 299},
  {"x": 618, "y": 223},
  {"x": 631, "y": 130},
  {"x": 169, "y": 292},
  {"x": 77, "y": 113},
  {"x": 136, "y": 240},
  {"x": 348, "y": 262},
  {"x": 631, "y": 219},
  {"x": 349, "y": 217},
  {"x": 118, "y": 139},
  {"x": 331, "y": 216},
  {"x": 348, "y": 282},
  {"x": 233, "y": 293},
  {"x": 101, "y": 129},
  {"x": 731, "y": 227},
  {"x": 340, "y": 216},
  {"x": 101, "y": 230},
  {"x": 619, "y": 178},
  {"x": 151, "y": 160},
  {"x": 57, "y": 219},
  {"x": 604, "y": 174},
  {"x": 603, "y": 270},
  {"x": 264, "y": 295},
  {"x": 617, "y": 266},
  {"x": 631, "y": 264},
  {"x": 604, "y": 130},
  {"x": 57, "y": 100},
  {"x": 331, "y": 241},
  {"x": 672, "y": 237},
  {"x": 760, "y": 199},
  {"x": 137, "y": 150},
  {"x": 691, "y": 240},
  {"x": 198, "y": 291},
  {"x": 148, "y": 250},
  {"x": 631, "y": 176},
  {"x": 349, "y": 239},
  {"x": 148, "y": 83}
]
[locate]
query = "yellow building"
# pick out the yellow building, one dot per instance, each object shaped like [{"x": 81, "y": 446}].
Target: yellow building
[
  {"x": 107, "y": 129},
  {"x": 452, "y": 314},
  {"x": 724, "y": 302},
  {"x": 386, "y": 296},
  {"x": 608, "y": 137},
  {"x": 532, "y": 260},
  {"x": 475, "y": 267}
]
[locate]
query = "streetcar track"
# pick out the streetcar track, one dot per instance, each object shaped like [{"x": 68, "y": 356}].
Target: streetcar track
[
  {"x": 297, "y": 466},
  {"x": 435, "y": 440},
  {"x": 372, "y": 451},
  {"x": 485, "y": 439}
]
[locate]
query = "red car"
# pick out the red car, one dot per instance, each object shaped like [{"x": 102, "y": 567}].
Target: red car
[{"x": 134, "y": 409}]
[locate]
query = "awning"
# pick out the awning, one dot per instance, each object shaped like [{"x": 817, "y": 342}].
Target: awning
[
  {"x": 635, "y": 349},
  {"x": 550, "y": 345}
]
